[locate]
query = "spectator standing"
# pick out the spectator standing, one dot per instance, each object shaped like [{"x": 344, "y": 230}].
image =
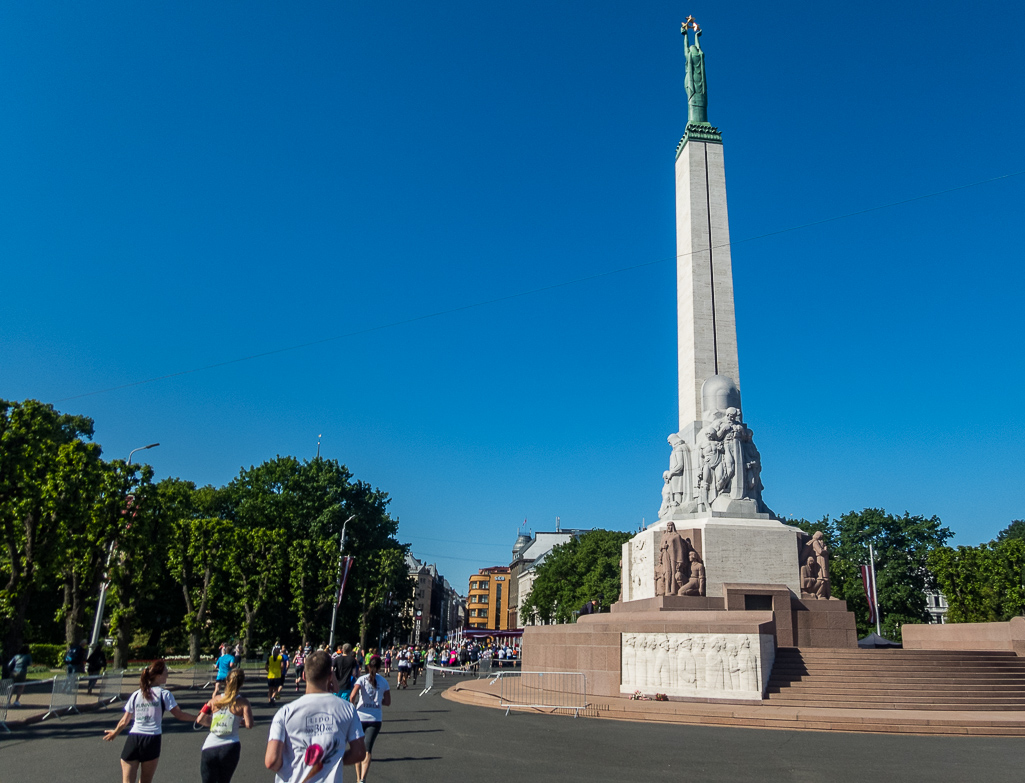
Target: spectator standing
[
  {"x": 146, "y": 707},
  {"x": 370, "y": 694},
  {"x": 94, "y": 665},
  {"x": 308, "y": 736},
  {"x": 74, "y": 658},
  {"x": 222, "y": 748}
]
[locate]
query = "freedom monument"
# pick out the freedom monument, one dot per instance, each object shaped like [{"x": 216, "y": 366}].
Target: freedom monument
[{"x": 718, "y": 583}]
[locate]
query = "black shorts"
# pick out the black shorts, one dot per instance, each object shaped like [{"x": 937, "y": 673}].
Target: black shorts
[
  {"x": 141, "y": 747},
  {"x": 275, "y": 682},
  {"x": 370, "y": 732}
]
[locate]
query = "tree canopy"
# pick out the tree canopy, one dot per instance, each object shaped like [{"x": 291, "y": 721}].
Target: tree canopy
[
  {"x": 189, "y": 566},
  {"x": 583, "y": 569}
]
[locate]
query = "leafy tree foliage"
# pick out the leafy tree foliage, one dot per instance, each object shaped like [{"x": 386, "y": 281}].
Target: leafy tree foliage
[
  {"x": 1014, "y": 530},
  {"x": 982, "y": 584},
  {"x": 580, "y": 570},
  {"x": 255, "y": 560}
]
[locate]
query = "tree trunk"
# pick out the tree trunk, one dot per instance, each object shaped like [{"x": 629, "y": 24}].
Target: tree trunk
[{"x": 124, "y": 638}]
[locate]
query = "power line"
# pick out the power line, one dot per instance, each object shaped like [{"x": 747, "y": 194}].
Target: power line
[{"x": 530, "y": 292}]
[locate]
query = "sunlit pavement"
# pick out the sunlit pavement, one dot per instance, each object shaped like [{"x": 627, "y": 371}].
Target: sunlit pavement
[{"x": 432, "y": 739}]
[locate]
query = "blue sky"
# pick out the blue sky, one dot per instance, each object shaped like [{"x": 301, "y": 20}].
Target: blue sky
[{"x": 470, "y": 209}]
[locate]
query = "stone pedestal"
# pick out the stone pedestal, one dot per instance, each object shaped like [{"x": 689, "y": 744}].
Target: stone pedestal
[{"x": 734, "y": 550}]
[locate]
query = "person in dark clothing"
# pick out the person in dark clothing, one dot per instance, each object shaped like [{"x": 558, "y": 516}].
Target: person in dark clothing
[
  {"x": 94, "y": 664},
  {"x": 346, "y": 668}
]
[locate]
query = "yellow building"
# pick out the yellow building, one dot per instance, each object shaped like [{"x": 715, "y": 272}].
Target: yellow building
[{"x": 488, "y": 602}]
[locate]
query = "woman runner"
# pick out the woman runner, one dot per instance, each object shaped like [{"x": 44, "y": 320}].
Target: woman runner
[
  {"x": 223, "y": 715},
  {"x": 370, "y": 694},
  {"x": 147, "y": 706}
]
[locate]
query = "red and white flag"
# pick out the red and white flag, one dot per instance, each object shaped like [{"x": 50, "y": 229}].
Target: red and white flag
[
  {"x": 870, "y": 590},
  {"x": 346, "y": 568}
]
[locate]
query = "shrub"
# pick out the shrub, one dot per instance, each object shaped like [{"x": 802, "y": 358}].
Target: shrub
[{"x": 49, "y": 655}]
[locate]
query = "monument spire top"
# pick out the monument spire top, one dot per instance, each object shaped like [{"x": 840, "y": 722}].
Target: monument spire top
[{"x": 698, "y": 126}]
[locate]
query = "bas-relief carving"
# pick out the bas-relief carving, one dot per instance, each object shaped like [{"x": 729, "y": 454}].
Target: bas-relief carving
[
  {"x": 700, "y": 665},
  {"x": 719, "y": 468}
]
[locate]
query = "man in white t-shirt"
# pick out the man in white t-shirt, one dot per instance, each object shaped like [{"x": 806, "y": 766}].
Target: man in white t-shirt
[{"x": 309, "y": 735}]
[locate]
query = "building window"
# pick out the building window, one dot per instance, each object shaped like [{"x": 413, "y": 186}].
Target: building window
[
  {"x": 483, "y": 599},
  {"x": 483, "y": 613}
]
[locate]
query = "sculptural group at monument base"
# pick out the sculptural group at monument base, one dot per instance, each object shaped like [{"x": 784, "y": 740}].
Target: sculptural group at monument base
[
  {"x": 697, "y": 664},
  {"x": 814, "y": 559},
  {"x": 716, "y": 466},
  {"x": 679, "y": 570}
]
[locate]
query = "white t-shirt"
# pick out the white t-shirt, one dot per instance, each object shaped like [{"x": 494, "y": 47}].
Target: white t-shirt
[
  {"x": 148, "y": 714},
  {"x": 371, "y": 695},
  {"x": 316, "y": 718}
]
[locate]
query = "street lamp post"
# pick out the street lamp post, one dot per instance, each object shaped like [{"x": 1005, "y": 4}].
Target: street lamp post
[
  {"x": 338, "y": 587},
  {"x": 98, "y": 622}
]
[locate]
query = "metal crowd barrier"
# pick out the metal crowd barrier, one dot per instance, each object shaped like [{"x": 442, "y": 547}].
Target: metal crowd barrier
[
  {"x": 442, "y": 671},
  {"x": 543, "y": 690},
  {"x": 110, "y": 687},
  {"x": 64, "y": 697},
  {"x": 6, "y": 687}
]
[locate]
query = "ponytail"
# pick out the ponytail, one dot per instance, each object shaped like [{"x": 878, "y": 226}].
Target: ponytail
[
  {"x": 149, "y": 676},
  {"x": 236, "y": 679}
]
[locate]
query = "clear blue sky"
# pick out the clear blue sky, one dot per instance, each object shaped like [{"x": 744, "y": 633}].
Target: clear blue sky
[{"x": 186, "y": 184}]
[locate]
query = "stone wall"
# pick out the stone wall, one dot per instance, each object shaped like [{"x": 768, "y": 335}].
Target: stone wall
[{"x": 1009, "y": 637}]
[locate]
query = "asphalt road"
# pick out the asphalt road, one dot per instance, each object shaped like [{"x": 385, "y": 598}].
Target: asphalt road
[{"x": 431, "y": 739}]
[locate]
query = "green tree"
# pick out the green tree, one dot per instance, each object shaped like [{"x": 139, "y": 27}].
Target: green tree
[
  {"x": 902, "y": 545},
  {"x": 195, "y": 554},
  {"x": 138, "y": 554},
  {"x": 1014, "y": 530},
  {"x": 572, "y": 573},
  {"x": 381, "y": 574},
  {"x": 38, "y": 459},
  {"x": 982, "y": 584},
  {"x": 256, "y": 564}
]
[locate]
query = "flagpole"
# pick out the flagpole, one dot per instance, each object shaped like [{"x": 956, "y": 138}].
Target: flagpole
[
  {"x": 334, "y": 611},
  {"x": 875, "y": 594}
]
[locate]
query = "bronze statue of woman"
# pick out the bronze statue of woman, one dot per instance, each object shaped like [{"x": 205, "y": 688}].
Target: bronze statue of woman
[{"x": 697, "y": 89}]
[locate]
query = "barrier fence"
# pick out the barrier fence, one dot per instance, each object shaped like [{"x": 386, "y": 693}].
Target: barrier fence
[
  {"x": 543, "y": 690},
  {"x": 433, "y": 673},
  {"x": 64, "y": 696},
  {"x": 6, "y": 686}
]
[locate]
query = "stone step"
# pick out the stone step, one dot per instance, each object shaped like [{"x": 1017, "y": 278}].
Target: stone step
[
  {"x": 910, "y": 697},
  {"x": 808, "y": 687}
]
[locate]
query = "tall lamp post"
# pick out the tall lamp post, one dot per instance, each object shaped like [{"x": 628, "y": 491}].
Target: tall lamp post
[
  {"x": 338, "y": 587},
  {"x": 98, "y": 623}
]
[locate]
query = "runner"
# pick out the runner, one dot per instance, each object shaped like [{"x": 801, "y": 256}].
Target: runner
[
  {"x": 275, "y": 677},
  {"x": 147, "y": 706},
  {"x": 346, "y": 670},
  {"x": 308, "y": 737},
  {"x": 370, "y": 694},
  {"x": 404, "y": 667},
  {"x": 225, "y": 663},
  {"x": 222, "y": 747},
  {"x": 300, "y": 663}
]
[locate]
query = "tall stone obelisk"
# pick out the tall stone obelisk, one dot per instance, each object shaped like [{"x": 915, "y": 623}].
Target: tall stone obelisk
[
  {"x": 712, "y": 492},
  {"x": 707, "y": 338}
]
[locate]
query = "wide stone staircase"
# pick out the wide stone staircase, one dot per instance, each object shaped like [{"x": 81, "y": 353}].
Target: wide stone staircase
[{"x": 897, "y": 680}]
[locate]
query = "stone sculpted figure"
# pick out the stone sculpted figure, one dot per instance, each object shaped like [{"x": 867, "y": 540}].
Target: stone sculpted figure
[
  {"x": 813, "y": 584},
  {"x": 697, "y": 89},
  {"x": 673, "y": 568},
  {"x": 696, "y": 584},
  {"x": 816, "y": 548}
]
